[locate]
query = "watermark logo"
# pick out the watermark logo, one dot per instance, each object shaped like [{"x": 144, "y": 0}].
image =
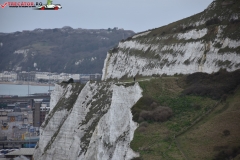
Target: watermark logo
[
  {"x": 48, "y": 6},
  {"x": 4, "y": 5},
  {"x": 34, "y": 5},
  {"x": 18, "y": 4}
]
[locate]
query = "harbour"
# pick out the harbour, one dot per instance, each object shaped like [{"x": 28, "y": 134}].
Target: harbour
[{"x": 23, "y": 90}]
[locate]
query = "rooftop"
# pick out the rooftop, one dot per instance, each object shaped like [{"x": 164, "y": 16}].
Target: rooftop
[
  {"x": 14, "y": 114},
  {"x": 22, "y": 151}
]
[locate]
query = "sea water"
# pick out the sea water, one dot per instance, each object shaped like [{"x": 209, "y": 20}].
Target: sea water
[{"x": 22, "y": 90}]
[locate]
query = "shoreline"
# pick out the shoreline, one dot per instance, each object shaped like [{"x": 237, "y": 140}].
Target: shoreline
[{"x": 26, "y": 83}]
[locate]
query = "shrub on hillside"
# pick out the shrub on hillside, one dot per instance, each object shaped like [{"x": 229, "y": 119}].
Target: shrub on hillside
[
  {"x": 146, "y": 115},
  {"x": 212, "y": 21},
  {"x": 137, "y": 158},
  {"x": 229, "y": 153},
  {"x": 226, "y": 132},
  {"x": 215, "y": 85},
  {"x": 234, "y": 21},
  {"x": 142, "y": 129},
  {"x": 196, "y": 106},
  {"x": 129, "y": 38},
  {"x": 153, "y": 106},
  {"x": 160, "y": 114},
  {"x": 143, "y": 124},
  {"x": 145, "y": 103},
  {"x": 183, "y": 29},
  {"x": 224, "y": 98}
]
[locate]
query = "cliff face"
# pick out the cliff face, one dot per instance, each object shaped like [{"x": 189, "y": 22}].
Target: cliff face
[
  {"x": 89, "y": 122},
  {"x": 94, "y": 122},
  {"x": 204, "y": 42}
]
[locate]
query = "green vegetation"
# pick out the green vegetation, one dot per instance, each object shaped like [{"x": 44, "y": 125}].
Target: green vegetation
[
  {"x": 59, "y": 49},
  {"x": 163, "y": 139},
  {"x": 212, "y": 85},
  {"x": 217, "y": 135},
  {"x": 156, "y": 141}
]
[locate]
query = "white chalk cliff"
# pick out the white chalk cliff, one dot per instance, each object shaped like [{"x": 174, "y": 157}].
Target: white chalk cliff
[
  {"x": 94, "y": 121},
  {"x": 91, "y": 122},
  {"x": 205, "y": 42}
]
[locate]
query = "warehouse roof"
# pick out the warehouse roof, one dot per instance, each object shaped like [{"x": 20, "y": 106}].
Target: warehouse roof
[{"x": 22, "y": 151}]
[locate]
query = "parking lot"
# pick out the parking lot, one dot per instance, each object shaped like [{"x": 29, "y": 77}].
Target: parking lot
[
  {"x": 13, "y": 133},
  {"x": 16, "y": 129}
]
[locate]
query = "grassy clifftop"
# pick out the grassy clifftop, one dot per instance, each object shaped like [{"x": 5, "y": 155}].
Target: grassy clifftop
[{"x": 200, "y": 122}]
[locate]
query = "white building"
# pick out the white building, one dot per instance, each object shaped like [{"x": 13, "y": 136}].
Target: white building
[{"x": 8, "y": 76}]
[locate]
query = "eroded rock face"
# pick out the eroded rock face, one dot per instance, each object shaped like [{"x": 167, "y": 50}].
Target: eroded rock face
[
  {"x": 94, "y": 122},
  {"x": 205, "y": 42},
  {"x": 181, "y": 58},
  {"x": 89, "y": 122}
]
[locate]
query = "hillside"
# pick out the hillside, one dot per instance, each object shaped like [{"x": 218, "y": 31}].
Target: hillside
[
  {"x": 217, "y": 136},
  {"x": 155, "y": 118},
  {"x": 184, "y": 104},
  {"x": 202, "y": 124},
  {"x": 58, "y": 50},
  {"x": 205, "y": 42}
]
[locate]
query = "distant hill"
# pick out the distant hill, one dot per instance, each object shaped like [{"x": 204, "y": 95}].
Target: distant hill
[{"x": 58, "y": 50}]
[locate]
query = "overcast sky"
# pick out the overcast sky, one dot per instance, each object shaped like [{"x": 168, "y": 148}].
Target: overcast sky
[{"x": 136, "y": 15}]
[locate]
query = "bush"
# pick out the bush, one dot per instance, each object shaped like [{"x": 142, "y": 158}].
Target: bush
[
  {"x": 153, "y": 106},
  {"x": 215, "y": 86},
  {"x": 196, "y": 106},
  {"x": 228, "y": 153},
  {"x": 140, "y": 119},
  {"x": 142, "y": 129},
  {"x": 115, "y": 49},
  {"x": 224, "y": 98},
  {"x": 160, "y": 114},
  {"x": 129, "y": 38},
  {"x": 144, "y": 103},
  {"x": 226, "y": 132},
  {"x": 234, "y": 21},
  {"x": 144, "y": 124},
  {"x": 146, "y": 115},
  {"x": 186, "y": 28},
  {"x": 137, "y": 158},
  {"x": 212, "y": 21}
]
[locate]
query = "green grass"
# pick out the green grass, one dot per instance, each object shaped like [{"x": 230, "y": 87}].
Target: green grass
[
  {"x": 157, "y": 139},
  {"x": 207, "y": 135}
]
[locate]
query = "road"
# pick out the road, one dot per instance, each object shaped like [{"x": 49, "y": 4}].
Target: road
[
  {"x": 24, "y": 97},
  {"x": 18, "y": 142}
]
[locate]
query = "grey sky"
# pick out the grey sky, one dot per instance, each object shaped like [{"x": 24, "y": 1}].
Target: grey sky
[{"x": 136, "y": 15}]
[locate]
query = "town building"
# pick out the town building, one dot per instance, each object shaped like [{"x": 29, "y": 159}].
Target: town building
[
  {"x": 48, "y": 77},
  {"x": 23, "y": 152},
  {"x": 40, "y": 110},
  {"x": 14, "y": 116},
  {"x": 8, "y": 76},
  {"x": 95, "y": 77},
  {"x": 26, "y": 76},
  {"x": 44, "y": 109},
  {"x": 36, "y": 113}
]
